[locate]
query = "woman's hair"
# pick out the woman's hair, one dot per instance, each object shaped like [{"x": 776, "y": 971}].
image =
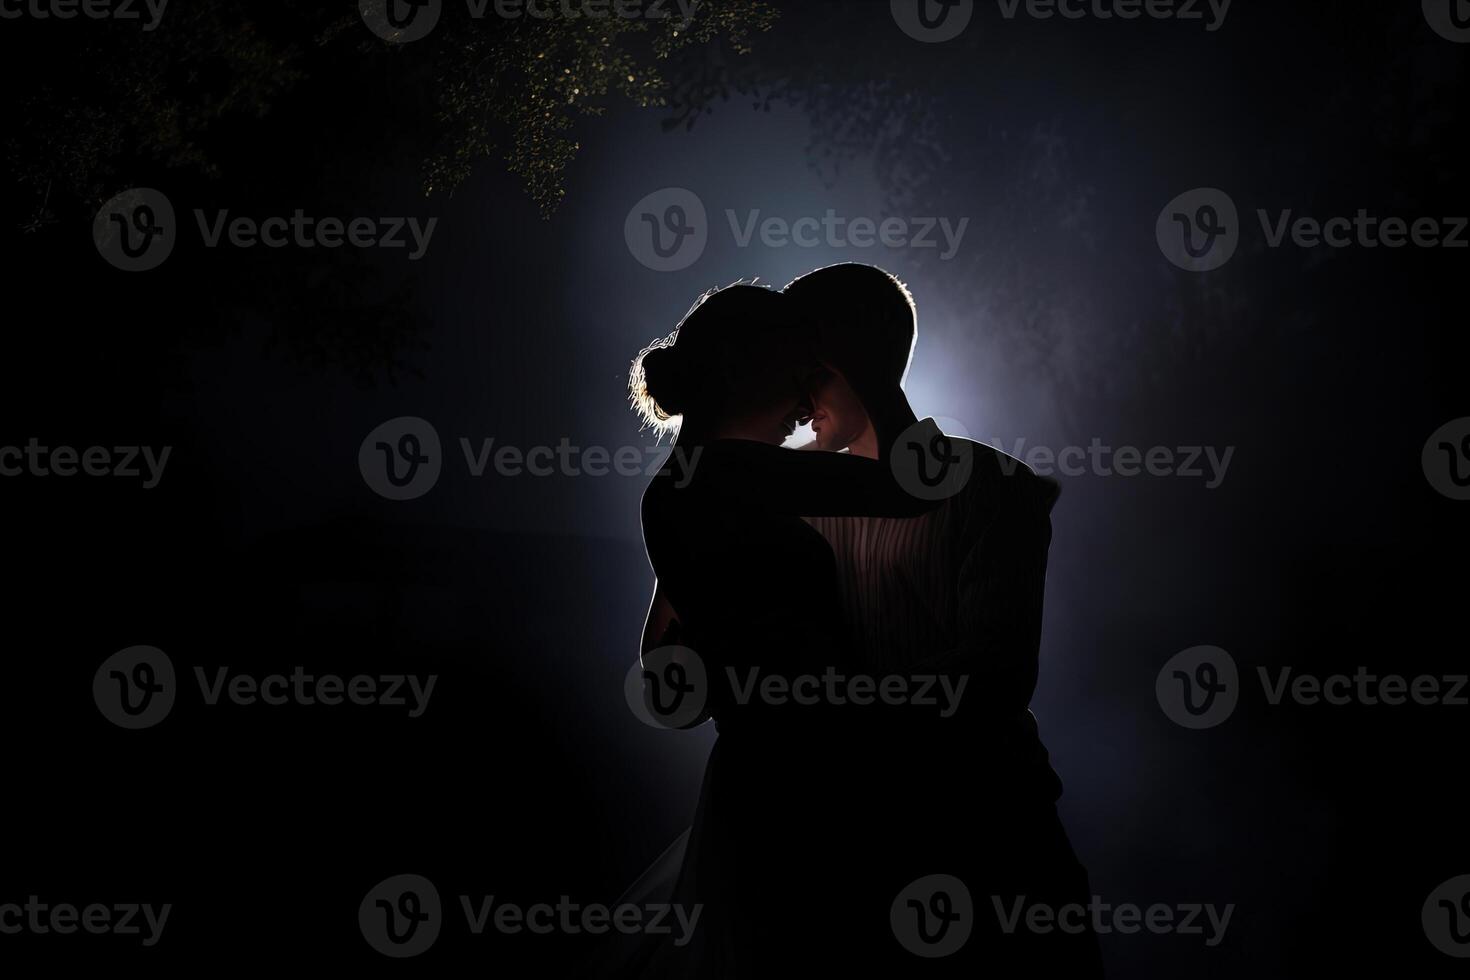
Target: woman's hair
[{"x": 691, "y": 368}]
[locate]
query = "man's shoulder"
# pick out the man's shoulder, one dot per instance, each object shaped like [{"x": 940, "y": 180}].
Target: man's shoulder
[{"x": 998, "y": 476}]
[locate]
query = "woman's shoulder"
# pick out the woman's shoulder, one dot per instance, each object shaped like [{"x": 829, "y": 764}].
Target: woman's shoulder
[
  {"x": 700, "y": 466},
  {"x": 714, "y": 469},
  {"x": 674, "y": 476}
]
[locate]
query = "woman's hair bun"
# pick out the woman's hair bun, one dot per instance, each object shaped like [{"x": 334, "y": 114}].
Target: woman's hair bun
[
  {"x": 689, "y": 370},
  {"x": 664, "y": 378}
]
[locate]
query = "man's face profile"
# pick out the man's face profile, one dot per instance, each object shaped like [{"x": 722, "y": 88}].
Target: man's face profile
[{"x": 838, "y": 417}]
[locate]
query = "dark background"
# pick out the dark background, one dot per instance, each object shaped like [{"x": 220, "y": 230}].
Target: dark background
[{"x": 1059, "y": 321}]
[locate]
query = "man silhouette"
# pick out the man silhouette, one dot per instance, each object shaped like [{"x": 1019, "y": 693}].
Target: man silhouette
[{"x": 956, "y": 593}]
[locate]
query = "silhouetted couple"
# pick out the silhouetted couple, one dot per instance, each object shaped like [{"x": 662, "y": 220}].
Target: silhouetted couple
[{"x": 862, "y": 624}]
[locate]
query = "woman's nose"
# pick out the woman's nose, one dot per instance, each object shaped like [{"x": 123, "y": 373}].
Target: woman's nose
[{"x": 804, "y": 411}]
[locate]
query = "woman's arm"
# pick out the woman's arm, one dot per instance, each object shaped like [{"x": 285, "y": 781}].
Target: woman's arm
[{"x": 756, "y": 476}]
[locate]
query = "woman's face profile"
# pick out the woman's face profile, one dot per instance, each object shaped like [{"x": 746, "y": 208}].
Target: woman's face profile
[{"x": 775, "y": 394}]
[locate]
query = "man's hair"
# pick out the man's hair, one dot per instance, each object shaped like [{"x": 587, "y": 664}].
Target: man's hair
[{"x": 863, "y": 297}]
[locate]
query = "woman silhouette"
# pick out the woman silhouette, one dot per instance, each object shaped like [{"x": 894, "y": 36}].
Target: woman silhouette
[{"x": 770, "y": 855}]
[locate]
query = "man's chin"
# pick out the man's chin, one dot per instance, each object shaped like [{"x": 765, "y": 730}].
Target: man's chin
[{"x": 830, "y": 445}]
